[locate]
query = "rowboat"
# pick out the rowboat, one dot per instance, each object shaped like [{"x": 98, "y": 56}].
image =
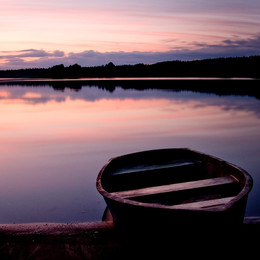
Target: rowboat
[{"x": 174, "y": 186}]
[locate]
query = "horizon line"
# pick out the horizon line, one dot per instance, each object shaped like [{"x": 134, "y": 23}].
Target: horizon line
[{"x": 132, "y": 65}]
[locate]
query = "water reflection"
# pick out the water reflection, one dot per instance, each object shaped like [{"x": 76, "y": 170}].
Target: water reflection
[
  {"x": 43, "y": 94},
  {"x": 53, "y": 143}
]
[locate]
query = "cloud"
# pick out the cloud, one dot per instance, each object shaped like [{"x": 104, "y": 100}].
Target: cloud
[
  {"x": 31, "y": 53},
  {"x": 228, "y": 48},
  {"x": 252, "y": 43},
  {"x": 31, "y": 58}
]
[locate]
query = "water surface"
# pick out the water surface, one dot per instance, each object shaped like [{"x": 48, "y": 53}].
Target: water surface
[{"x": 53, "y": 143}]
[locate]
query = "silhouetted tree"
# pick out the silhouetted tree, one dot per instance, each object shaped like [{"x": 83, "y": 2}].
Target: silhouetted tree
[
  {"x": 221, "y": 67},
  {"x": 57, "y": 71},
  {"x": 74, "y": 70}
]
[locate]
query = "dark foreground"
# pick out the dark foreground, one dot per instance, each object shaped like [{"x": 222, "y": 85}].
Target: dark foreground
[{"x": 101, "y": 240}]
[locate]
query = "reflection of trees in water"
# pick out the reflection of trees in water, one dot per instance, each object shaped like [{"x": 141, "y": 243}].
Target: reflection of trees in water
[
  {"x": 217, "y": 86},
  {"x": 234, "y": 92}
]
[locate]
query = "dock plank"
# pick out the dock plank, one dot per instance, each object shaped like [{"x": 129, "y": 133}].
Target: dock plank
[{"x": 102, "y": 241}]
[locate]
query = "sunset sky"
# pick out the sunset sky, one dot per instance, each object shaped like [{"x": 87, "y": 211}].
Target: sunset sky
[{"x": 45, "y": 33}]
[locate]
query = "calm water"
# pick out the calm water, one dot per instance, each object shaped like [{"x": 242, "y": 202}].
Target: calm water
[{"x": 53, "y": 143}]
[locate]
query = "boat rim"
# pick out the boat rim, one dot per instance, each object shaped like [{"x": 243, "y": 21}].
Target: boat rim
[{"x": 244, "y": 192}]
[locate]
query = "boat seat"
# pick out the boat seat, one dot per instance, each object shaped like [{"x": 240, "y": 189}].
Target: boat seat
[
  {"x": 176, "y": 187},
  {"x": 203, "y": 204}
]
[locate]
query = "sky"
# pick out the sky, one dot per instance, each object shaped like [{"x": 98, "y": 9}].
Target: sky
[{"x": 45, "y": 33}]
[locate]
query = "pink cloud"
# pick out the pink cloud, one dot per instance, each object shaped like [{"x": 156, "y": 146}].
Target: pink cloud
[
  {"x": 199, "y": 50},
  {"x": 135, "y": 31}
]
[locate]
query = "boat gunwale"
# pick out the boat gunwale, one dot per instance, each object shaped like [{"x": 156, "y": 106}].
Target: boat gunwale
[{"x": 114, "y": 197}]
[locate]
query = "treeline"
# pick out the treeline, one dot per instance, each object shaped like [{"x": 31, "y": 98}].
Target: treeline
[{"x": 221, "y": 67}]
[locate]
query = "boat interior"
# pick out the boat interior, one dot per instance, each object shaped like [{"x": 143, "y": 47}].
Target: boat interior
[{"x": 184, "y": 181}]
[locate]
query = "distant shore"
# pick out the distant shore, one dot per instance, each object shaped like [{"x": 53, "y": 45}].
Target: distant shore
[{"x": 236, "y": 67}]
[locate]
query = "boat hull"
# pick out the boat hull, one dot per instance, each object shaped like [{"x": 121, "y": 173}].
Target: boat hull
[
  {"x": 140, "y": 212},
  {"x": 132, "y": 217}
]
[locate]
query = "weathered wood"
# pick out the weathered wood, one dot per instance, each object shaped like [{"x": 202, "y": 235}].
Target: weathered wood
[
  {"x": 176, "y": 187},
  {"x": 125, "y": 178},
  {"x": 101, "y": 240},
  {"x": 203, "y": 204},
  {"x": 96, "y": 240},
  {"x": 54, "y": 229},
  {"x": 138, "y": 192}
]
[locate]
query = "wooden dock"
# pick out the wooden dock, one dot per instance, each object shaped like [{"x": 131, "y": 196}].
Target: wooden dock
[
  {"x": 57, "y": 241},
  {"x": 101, "y": 240}
]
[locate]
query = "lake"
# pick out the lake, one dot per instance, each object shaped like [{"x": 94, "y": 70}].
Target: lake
[{"x": 54, "y": 141}]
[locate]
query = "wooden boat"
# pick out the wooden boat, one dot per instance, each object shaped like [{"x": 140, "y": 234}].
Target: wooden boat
[{"x": 174, "y": 186}]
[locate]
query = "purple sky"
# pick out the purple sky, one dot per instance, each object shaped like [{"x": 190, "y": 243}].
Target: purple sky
[{"x": 45, "y": 33}]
